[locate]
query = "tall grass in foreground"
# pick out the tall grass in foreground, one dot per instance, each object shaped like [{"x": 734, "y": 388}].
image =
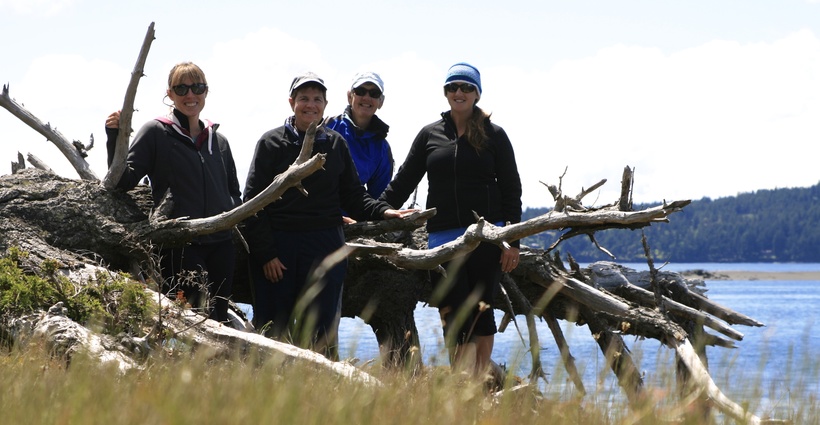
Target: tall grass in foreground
[{"x": 38, "y": 390}]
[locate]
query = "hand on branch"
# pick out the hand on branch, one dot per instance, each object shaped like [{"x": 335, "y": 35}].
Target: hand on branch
[
  {"x": 509, "y": 259},
  {"x": 399, "y": 213},
  {"x": 113, "y": 120}
]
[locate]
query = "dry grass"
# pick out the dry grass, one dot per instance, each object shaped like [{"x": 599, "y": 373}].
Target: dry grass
[{"x": 40, "y": 390}]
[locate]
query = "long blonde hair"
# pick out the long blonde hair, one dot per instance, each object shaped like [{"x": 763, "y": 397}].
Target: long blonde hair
[{"x": 476, "y": 132}]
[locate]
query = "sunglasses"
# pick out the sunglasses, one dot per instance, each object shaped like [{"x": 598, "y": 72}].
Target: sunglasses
[
  {"x": 465, "y": 88},
  {"x": 182, "y": 89},
  {"x": 361, "y": 91}
]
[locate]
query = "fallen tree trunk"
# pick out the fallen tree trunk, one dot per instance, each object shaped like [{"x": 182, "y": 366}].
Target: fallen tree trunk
[{"x": 66, "y": 338}]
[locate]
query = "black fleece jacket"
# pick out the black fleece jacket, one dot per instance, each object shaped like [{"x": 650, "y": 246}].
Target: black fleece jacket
[
  {"x": 202, "y": 181},
  {"x": 461, "y": 179},
  {"x": 330, "y": 190}
]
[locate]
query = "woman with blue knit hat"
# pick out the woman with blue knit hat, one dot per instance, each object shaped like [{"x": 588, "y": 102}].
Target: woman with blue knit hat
[{"x": 471, "y": 169}]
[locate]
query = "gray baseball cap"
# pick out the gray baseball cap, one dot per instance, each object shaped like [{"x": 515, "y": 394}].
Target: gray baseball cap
[{"x": 302, "y": 79}]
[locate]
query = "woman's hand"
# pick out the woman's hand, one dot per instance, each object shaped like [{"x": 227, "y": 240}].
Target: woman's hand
[
  {"x": 113, "y": 120},
  {"x": 274, "y": 270},
  {"x": 399, "y": 213},
  {"x": 509, "y": 259}
]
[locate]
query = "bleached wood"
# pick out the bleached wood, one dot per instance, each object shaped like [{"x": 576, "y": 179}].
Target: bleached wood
[
  {"x": 68, "y": 149},
  {"x": 112, "y": 177}
]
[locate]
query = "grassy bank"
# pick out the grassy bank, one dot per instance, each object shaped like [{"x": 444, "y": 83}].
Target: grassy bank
[{"x": 37, "y": 390}]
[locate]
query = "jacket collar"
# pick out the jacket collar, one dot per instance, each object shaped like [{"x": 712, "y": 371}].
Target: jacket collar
[
  {"x": 376, "y": 126},
  {"x": 298, "y": 137}
]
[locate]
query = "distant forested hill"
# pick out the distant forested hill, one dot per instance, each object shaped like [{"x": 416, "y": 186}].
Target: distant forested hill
[{"x": 780, "y": 225}]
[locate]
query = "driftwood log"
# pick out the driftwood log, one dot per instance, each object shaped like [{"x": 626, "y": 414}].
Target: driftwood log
[{"x": 85, "y": 225}]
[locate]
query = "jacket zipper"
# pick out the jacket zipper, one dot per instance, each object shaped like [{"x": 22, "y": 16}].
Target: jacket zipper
[
  {"x": 204, "y": 188},
  {"x": 455, "y": 183}
]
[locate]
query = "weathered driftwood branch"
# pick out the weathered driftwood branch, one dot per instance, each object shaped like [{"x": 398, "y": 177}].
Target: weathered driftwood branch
[
  {"x": 487, "y": 232},
  {"x": 627, "y": 183},
  {"x": 38, "y": 163},
  {"x": 703, "y": 381},
  {"x": 66, "y": 338},
  {"x": 226, "y": 341},
  {"x": 673, "y": 307},
  {"x": 378, "y": 228},
  {"x": 611, "y": 276},
  {"x": 20, "y": 164},
  {"x": 563, "y": 348},
  {"x": 69, "y": 149},
  {"x": 511, "y": 288},
  {"x": 177, "y": 231},
  {"x": 112, "y": 177}
]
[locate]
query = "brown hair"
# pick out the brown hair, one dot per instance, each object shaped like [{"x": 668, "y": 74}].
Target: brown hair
[
  {"x": 186, "y": 69},
  {"x": 476, "y": 132}
]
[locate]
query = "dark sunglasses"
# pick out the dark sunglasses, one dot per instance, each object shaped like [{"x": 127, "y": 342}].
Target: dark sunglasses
[
  {"x": 182, "y": 89},
  {"x": 361, "y": 91},
  {"x": 465, "y": 88}
]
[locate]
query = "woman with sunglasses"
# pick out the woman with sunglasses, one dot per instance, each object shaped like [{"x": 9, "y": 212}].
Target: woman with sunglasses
[
  {"x": 365, "y": 133},
  {"x": 471, "y": 169},
  {"x": 290, "y": 238},
  {"x": 187, "y": 158}
]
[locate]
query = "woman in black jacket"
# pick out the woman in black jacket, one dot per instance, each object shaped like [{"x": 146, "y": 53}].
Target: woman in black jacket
[
  {"x": 186, "y": 157},
  {"x": 470, "y": 167}
]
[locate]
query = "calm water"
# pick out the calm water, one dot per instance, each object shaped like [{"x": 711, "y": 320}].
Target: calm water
[{"x": 772, "y": 363}]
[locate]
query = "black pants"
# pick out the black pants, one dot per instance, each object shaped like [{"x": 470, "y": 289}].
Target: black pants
[
  {"x": 201, "y": 271},
  {"x": 290, "y": 308},
  {"x": 476, "y": 280}
]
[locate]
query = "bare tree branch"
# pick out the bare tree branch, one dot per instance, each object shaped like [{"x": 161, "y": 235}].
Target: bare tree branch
[
  {"x": 38, "y": 163},
  {"x": 702, "y": 379},
  {"x": 375, "y": 228},
  {"x": 182, "y": 230},
  {"x": 117, "y": 167},
  {"x": 74, "y": 156},
  {"x": 487, "y": 232}
]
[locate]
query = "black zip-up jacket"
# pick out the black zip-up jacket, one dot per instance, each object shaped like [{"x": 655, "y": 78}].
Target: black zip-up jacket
[
  {"x": 461, "y": 179},
  {"x": 334, "y": 187},
  {"x": 202, "y": 181}
]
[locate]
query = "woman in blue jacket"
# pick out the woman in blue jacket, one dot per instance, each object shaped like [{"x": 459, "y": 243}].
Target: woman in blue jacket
[
  {"x": 365, "y": 133},
  {"x": 471, "y": 168},
  {"x": 187, "y": 157}
]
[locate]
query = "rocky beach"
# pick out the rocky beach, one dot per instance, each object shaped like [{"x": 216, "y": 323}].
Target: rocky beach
[{"x": 751, "y": 275}]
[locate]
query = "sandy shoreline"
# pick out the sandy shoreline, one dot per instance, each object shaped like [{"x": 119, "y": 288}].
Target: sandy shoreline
[{"x": 750, "y": 275}]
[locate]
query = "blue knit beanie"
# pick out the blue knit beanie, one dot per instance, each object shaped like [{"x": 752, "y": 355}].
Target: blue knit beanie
[{"x": 464, "y": 73}]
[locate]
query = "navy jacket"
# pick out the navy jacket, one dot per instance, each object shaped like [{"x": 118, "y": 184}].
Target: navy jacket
[{"x": 330, "y": 189}]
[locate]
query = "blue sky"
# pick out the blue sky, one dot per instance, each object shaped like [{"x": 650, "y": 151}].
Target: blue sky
[{"x": 704, "y": 98}]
